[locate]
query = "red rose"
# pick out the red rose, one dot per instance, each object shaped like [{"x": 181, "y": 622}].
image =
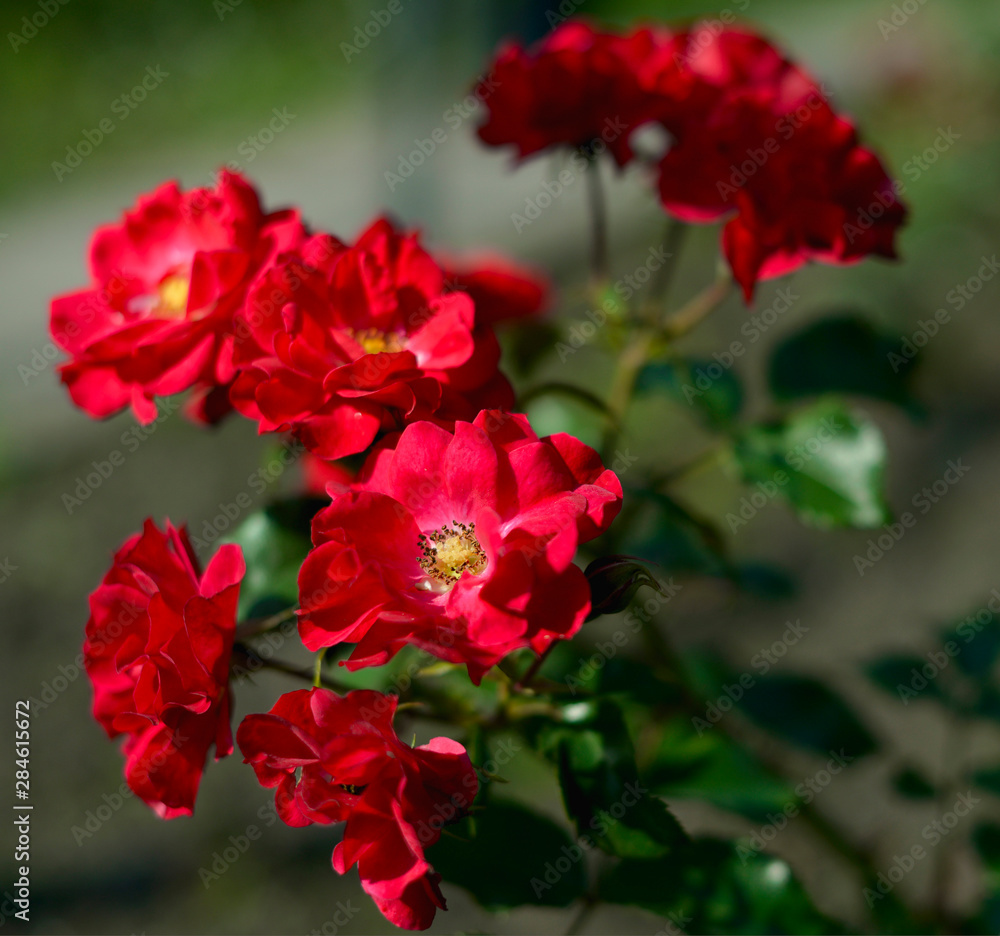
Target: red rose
[
  {"x": 338, "y": 759},
  {"x": 166, "y": 282},
  {"x": 337, "y": 344},
  {"x": 576, "y": 86},
  {"x": 157, "y": 651},
  {"x": 500, "y": 289},
  {"x": 461, "y": 543},
  {"x": 756, "y": 140}
]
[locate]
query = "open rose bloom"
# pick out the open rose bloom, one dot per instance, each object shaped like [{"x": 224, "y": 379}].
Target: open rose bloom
[
  {"x": 338, "y": 759},
  {"x": 167, "y": 280},
  {"x": 460, "y": 543},
  {"x": 753, "y": 138},
  {"x": 344, "y": 343},
  {"x": 159, "y": 642}
]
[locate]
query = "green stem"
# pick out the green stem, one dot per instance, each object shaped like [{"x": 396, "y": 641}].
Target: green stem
[
  {"x": 576, "y": 925},
  {"x": 247, "y": 657},
  {"x": 673, "y": 240},
  {"x": 525, "y": 681},
  {"x": 255, "y": 626},
  {"x": 318, "y": 670},
  {"x": 690, "y": 315},
  {"x": 598, "y": 222},
  {"x": 630, "y": 363}
]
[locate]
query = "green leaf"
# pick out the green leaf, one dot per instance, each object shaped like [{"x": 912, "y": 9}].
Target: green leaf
[
  {"x": 711, "y": 886},
  {"x": 763, "y": 581},
  {"x": 977, "y": 643},
  {"x": 988, "y": 779},
  {"x": 912, "y": 784},
  {"x": 986, "y": 838},
  {"x": 708, "y": 765},
  {"x": 600, "y": 783},
  {"x": 275, "y": 542},
  {"x": 895, "y": 675},
  {"x": 828, "y": 463},
  {"x": 713, "y": 390},
  {"x": 501, "y": 876},
  {"x": 675, "y": 538},
  {"x": 842, "y": 354},
  {"x": 808, "y": 714}
]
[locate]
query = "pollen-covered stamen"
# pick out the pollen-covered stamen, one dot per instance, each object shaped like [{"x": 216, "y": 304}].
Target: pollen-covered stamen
[
  {"x": 448, "y": 552},
  {"x": 173, "y": 297},
  {"x": 375, "y": 342}
]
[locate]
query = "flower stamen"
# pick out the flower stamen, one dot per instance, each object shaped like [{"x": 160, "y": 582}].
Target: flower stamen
[
  {"x": 374, "y": 341},
  {"x": 450, "y": 551}
]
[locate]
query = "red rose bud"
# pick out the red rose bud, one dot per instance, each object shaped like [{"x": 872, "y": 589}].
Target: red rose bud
[
  {"x": 614, "y": 581},
  {"x": 337, "y": 344}
]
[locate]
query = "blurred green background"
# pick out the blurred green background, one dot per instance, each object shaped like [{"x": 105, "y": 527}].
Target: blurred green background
[{"x": 228, "y": 65}]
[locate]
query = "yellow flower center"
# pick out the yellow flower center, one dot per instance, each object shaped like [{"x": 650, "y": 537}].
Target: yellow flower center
[
  {"x": 375, "y": 342},
  {"x": 450, "y": 551},
  {"x": 173, "y": 297}
]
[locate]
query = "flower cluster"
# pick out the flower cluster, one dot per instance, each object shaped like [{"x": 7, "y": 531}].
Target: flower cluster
[
  {"x": 753, "y": 138},
  {"x": 458, "y": 530},
  {"x": 296, "y": 330}
]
